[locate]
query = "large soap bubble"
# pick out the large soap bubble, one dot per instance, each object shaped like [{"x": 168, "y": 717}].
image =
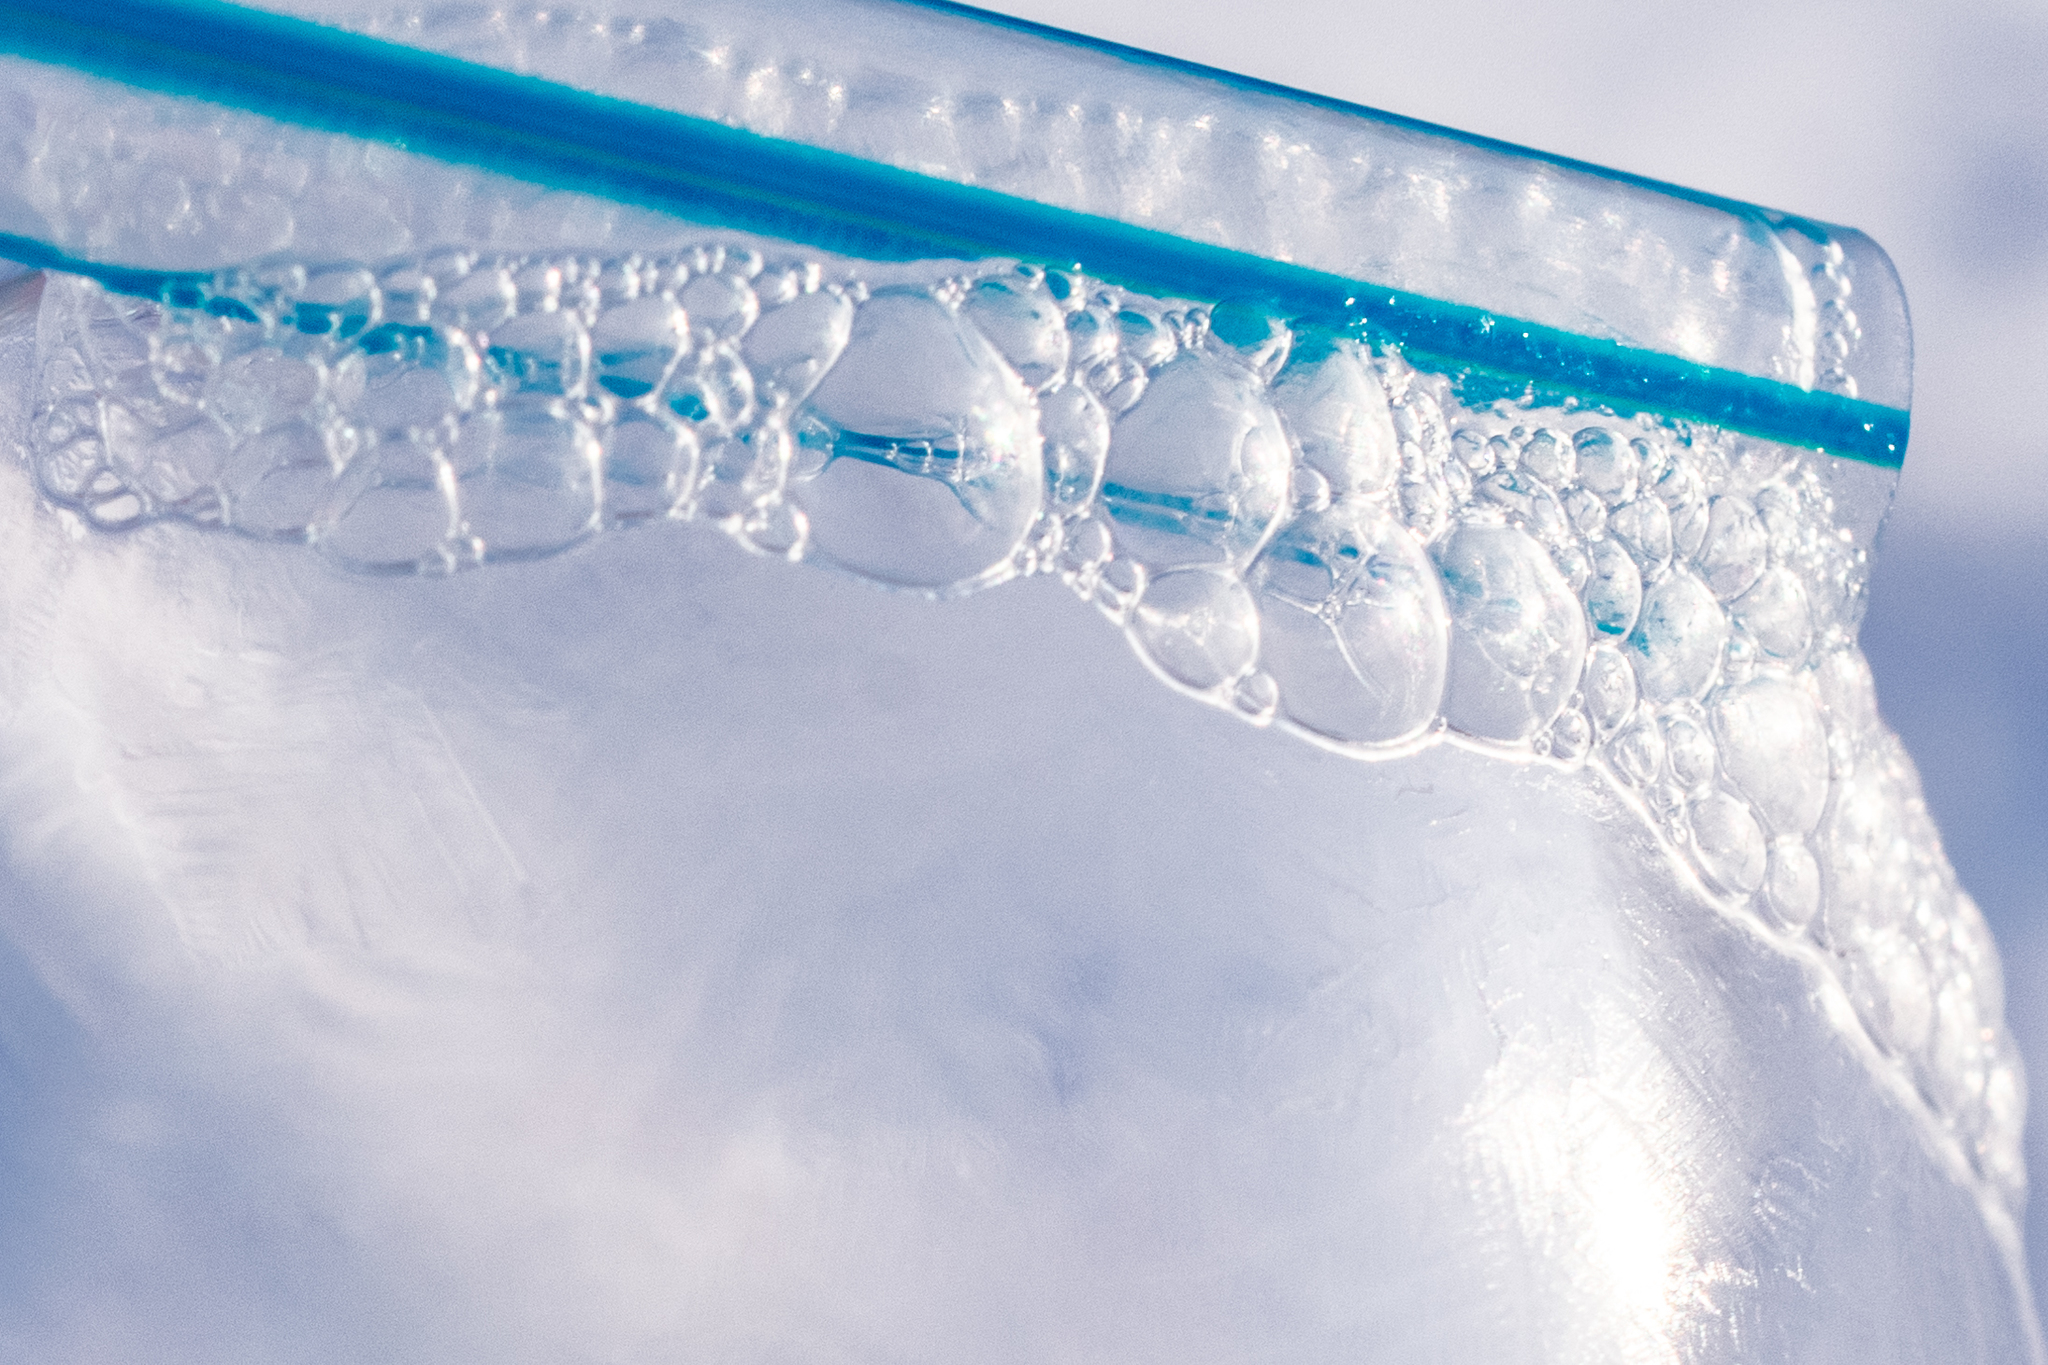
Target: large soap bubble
[
  {"x": 924, "y": 465},
  {"x": 1353, "y": 625},
  {"x": 1518, "y": 639},
  {"x": 1198, "y": 470}
]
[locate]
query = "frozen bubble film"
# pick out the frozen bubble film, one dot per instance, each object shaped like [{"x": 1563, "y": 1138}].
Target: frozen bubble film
[{"x": 1198, "y": 627}]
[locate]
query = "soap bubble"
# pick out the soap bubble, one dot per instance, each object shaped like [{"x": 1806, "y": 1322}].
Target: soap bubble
[
  {"x": 1518, "y": 636},
  {"x": 1247, "y": 326},
  {"x": 1607, "y": 465},
  {"x": 527, "y": 480},
  {"x": 1338, "y": 412},
  {"x": 1091, "y": 338},
  {"x": 1353, "y": 623},
  {"x": 339, "y": 302},
  {"x": 1613, "y": 590},
  {"x": 278, "y": 480},
  {"x": 1076, "y": 431},
  {"x": 1775, "y": 750},
  {"x": 394, "y": 510},
  {"x": 933, "y": 469},
  {"x": 1729, "y": 842},
  {"x": 1732, "y": 556},
  {"x": 1688, "y": 750},
  {"x": 545, "y": 353},
  {"x": 742, "y": 472},
  {"x": 1549, "y": 456},
  {"x": 479, "y": 300},
  {"x": 1638, "y": 751},
  {"x": 1644, "y": 528},
  {"x": 1144, "y": 338},
  {"x": 260, "y": 389},
  {"x": 649, "y": 467},
  {"x": 393, "y": 393},
  {"x": 1959, "y": 1061},
  {"x": 1684, "y": 498},
  {"x": 1610, "y": 687},
  {"x": 1527, "y": 501},
  {"x": 1678, "y": 639},
  {"x": 1197, "y": 626},
  {"x": 1586, "y": 513},
  {"x": 1198, "y": 470},
  {"x": 1775, "y": 613},
  {"x": 1024, "y": 323},
  {"x": 1888, "y": 984},
  {"x": 721, "y": 306},
  {"x": 1571, "y": 736},
  {"x": 1792, "y": 887},
  {"x": 634, "y": 345},
  {"x": 792, "y": 346}
]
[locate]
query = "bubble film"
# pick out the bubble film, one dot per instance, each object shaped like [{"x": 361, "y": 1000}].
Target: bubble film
[{"x": 1306, "y": 530}]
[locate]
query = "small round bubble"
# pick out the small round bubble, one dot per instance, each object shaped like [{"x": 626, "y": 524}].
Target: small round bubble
[
  {"x": 1774, "y": 747},
  {"x": 1732, "y": 556},
  {"x": 1025, "y": 323},
  {"x": 1607, "y": 465},
  {"x": 1549, "y": 456},
  {"x": 1613, "y": 590},
  {"x": 1792, "y": 887},
  {"x": 1688, "y": 750},
  {"x": 1197, "y": 626},
  {"x": 1644, "y": 529},
  {"x": 1775, "y": 613}
]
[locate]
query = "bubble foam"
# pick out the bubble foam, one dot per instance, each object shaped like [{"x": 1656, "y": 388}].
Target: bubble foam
[{"x": 1305, "y": 530}]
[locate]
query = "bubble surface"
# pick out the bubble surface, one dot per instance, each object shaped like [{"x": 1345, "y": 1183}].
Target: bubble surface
[
  {"x": 1678, "y": 639},
  {"x": 923, "y": 459},
  {"x": 1355, "y": 629},
  {"x": 1197, "y": 626},
  {"x": 1197, "y": 471},
  {"x": 1520, "y": 641}
]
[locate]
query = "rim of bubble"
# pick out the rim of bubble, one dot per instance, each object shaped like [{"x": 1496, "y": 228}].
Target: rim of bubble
[{"x": 302, "y": 72}]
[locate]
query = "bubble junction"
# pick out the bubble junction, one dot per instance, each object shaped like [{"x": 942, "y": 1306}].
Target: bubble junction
[{"x": 1303, "y": 529}]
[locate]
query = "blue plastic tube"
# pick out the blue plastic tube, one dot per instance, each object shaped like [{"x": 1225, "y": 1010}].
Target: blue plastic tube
[{"x": 708, "y": 171}]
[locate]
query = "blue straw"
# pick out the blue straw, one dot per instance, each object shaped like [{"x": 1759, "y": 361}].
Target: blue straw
[{"x": 536, "y": 130}]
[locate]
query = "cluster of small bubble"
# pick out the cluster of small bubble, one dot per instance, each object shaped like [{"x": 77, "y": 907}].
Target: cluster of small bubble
[
  {"x": 1838, "y": 332},
  {"x": 1304, "y": 529}
]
